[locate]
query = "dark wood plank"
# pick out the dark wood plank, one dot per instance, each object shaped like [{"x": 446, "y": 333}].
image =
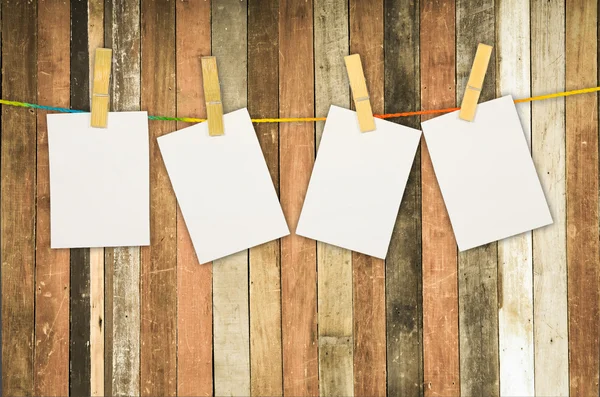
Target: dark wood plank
[
  {"x": 440, "y": 258},
  {"x": 478, "y": 267},
  {"x": 158, "y": 366},
  {"x": 297, "y": 153},
  {"x": 51, "y": 366},
  {"x": 265, "y": 262},
  {"x": 1, "y": 211},
  {"x": 122, "y": 265},
  {"x": 17, "y": 204},
  {"x": 583, "y": 252},
  {"x": 403, "y": 263},
  {"x": 194, "y": 282},
  {"x": 366, "y": 39},
  {"x": 79, "y": 384}
]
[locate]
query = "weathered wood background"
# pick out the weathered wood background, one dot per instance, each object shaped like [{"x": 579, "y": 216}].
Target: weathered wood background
[{"x": 295, "y": 317}]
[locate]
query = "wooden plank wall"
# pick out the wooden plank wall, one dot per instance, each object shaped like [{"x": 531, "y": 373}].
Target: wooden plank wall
[{"x": 295, "y": 317}]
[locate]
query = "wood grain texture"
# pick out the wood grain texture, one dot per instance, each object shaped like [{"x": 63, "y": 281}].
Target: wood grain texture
[
  {"x": 551, "y": 343},
  {"x": 51, "y": 363},
  {"x": 95, "y": 41},
  {"x": 1, "y": 208},
  {"x": 477, "y": 268},
  {"x": 230, "y": 274},
  {"x": 265, "y": 260},
  {"x": 79, "y": 381},
  {"x": 440, "y": 257},
  {"x": 194, "y": 282},
  {"x": 583, "y": 253},
  {"x": 158, "y": 356},
  {"x": 297, "y": 153},
  {"x": 17, "y": 205},
  {"x": 515, "y": 254},
  {"x": 122, "y": 264},
  {"x": 366, "y": 39},
  {"x": 403, "y": 278},
  {"x": 334, "y": 264}
]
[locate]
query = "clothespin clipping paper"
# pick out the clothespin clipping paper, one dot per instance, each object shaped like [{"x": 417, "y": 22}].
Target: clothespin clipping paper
[
  {"x": 360, "y": 93},
  {"x": 475, "y": 83},
  {"x": 100, "y": 98},
  {"x": 212, "y": 95}
]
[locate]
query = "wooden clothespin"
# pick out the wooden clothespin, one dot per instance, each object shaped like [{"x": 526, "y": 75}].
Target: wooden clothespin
[
  {"x": 212, "y": 96},
  {"x": 366, "y": 121},
  {"x": 475, "y": 83},
  {"x": 100, "y": 98}
]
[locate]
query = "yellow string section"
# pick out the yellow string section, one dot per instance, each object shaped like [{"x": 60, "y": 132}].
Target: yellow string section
[{"x": 312, "y": 119}]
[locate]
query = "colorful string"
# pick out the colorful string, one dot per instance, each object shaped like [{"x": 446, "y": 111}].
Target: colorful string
[{"x": 306, "y": 119}]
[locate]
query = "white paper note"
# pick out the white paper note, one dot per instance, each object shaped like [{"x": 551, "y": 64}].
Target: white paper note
[
  {"x": 99, "y": 181},
  {"x": 486, "y": 174},
  {"x": 357, "y": 183},
  {"x": 223, "y": 187}
]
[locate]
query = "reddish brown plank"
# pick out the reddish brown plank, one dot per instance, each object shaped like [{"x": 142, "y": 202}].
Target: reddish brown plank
[
  {"x": 297, "y": 152},
  {"x": 17, "y": 204},
  {"x": 440, "y": 260},
  {"x": 158, "y": 367},
  {"x": 366, "y": 39},
  {"x": 583, "y": 252},
  {"x": 51, "y": 365},
  {"x": 265, "y": 264},
  {"x": 194, "y": 282}
]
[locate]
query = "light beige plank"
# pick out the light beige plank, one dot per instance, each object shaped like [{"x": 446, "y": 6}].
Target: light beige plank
[
  {"x": 96, "y": 40},
  {"x": 230, "y": 274},
  {"x": 124, "y": 262},
  {"x": 334, "y": 265},
  {"x": 515, "y": 284},
  {"x": 551, "y": 344}
]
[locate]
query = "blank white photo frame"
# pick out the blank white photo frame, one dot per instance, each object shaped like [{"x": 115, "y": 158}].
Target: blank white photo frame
[
  {"x": 486, "y": 174},
  {"x": 357, "y": 183},
  {"x": 99, "y": 181},
  {"x": 223, "y": 187}
]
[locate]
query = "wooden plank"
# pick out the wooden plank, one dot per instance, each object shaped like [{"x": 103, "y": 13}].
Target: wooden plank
[
  {"x": 230, "y": 274},
  {"x": 122, "y": 265},
  {"x": 515, "y": 254},
  {"x": 158, "y": 356},
  {"x": 1, "y": 259},
  {"x": 403, "y": 276},
  {"x": 296, "y": 151},
  {"x": 366, "y": 39},
  {"x": 265, "y": 262},
  {"x": 440, "y": 257},
  {"x": 477, "y": 268},
  {"x": 79, "y": 381},
  {"x": 17, "y": 203},
  {"x": 51, "y": 365},
  {"x": 583, "y": 252},
  {"x": 194, "y": 282},
  {"x": 95, "y": 41},
  {"x": 334, "y": 264},
  {"x": 551, "y": 343}
]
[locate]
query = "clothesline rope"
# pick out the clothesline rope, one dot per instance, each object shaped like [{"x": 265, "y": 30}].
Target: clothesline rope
[{"x": 305, "y": 119}]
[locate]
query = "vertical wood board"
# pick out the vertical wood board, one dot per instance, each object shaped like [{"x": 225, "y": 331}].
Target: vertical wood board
[
  {"x": 265, "y": 260},
  {"x": 194, "y": 282},
  {"x": 51, "y": 363}
]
